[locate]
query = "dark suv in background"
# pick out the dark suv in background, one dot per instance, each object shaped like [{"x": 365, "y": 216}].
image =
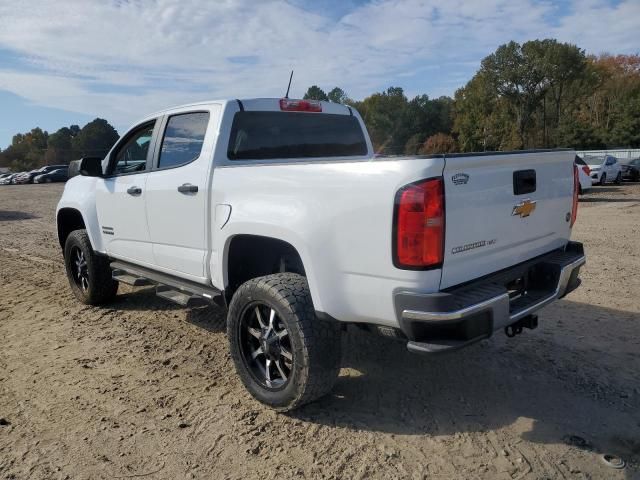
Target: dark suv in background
[
  {"x": 631, "y": 170},
  {"x": 57, "y": 175}
]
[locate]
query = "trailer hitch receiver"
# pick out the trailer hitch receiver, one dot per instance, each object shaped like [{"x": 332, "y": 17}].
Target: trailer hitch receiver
[{"x": 530, "y": 322}]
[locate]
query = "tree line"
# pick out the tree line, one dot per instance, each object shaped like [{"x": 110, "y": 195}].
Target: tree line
[
  {"x": 539, "y": 94},
  {"x": 36, "y": 148}
]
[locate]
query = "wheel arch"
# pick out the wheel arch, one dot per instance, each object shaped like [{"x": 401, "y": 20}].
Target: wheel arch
[
  {"x": 78, "y": 202},
  {"x": 67, "y": 220},
  {"x": 248, "y": 256}
]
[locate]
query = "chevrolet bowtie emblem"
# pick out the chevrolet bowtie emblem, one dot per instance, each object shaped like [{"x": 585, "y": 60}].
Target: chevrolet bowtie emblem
[{"x": 524, "y": 208}]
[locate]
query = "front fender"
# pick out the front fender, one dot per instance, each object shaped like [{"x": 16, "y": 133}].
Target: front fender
[{"x": 79, "y": 194}]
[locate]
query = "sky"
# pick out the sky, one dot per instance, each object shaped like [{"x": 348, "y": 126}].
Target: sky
[{"x": 67, "y": 62}]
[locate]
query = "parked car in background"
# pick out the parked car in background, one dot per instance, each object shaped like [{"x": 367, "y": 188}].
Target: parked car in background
[
  {"x": 27, "y": 177},
  {"x": 584, "y": 175},
  {"x": 604, "y": 169},
  {"x": 58, "y": 175},
  {"x": 11, "y": 179},
  {"x": 5, "y": 178},
  {"x": 631, "y": 170},
  {"x": 24, "y": 177}
]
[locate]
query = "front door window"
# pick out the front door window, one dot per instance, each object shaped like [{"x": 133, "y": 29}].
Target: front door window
[{"x": 131, "y": 157}]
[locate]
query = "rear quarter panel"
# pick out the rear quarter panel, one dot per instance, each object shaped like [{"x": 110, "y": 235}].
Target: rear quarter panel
[{"x": 338, "y": 215}]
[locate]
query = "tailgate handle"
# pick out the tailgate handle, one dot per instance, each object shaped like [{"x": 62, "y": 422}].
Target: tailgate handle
[{"x": 524, "y": 181}]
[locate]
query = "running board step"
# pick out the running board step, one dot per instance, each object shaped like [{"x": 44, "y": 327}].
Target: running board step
[
  {"x": 124, "y": 277},
  {"x": 183, "y": 292},
  {"x": 181, "y": 298}
]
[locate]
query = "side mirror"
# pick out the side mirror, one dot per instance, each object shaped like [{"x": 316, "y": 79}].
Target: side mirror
[{"x": 86, "y": 166}]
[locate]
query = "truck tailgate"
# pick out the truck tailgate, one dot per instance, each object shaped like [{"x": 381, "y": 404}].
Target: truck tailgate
[{"x": 503, "y": 209}]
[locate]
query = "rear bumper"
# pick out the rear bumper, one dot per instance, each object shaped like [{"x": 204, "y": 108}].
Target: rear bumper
[{"x": 468, "y": 313}]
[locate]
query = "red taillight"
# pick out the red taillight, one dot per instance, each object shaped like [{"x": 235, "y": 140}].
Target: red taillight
[
  {"x": 419, "y": 227},
  {"x": 289, "y": 105},
  {"x": 586, "y": 170},
  {"x": 576, "y": 189}
]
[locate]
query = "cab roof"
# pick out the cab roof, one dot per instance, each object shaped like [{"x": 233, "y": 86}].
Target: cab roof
[{"x": 254, "y": 104}]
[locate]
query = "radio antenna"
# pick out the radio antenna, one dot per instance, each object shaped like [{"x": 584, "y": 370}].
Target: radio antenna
[{"x": 289, "y": 86}]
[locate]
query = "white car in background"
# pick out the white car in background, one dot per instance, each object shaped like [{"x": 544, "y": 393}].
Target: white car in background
[
  {"x": 604, "y": 169},
  {"x": 584, "y": 175}
]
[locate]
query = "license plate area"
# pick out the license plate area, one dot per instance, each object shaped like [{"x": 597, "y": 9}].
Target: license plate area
[
  {"x": 517, "y": 288},
  {"x": 531, "y": 286}
]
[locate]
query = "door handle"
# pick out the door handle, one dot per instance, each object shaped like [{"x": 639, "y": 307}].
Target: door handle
[
  {"x": 188, "y": 188},
  {"x": 134, "y": 190}
]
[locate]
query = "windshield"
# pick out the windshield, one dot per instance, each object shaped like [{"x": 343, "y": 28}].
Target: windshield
[
  {"x": 286, "y": 135},
  {"x": 594, "y": 161}
]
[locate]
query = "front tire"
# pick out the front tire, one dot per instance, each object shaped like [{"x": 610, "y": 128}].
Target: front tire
[
  {"x": 284, "y": 355},
  {"x": 89, "y": 274},
  {"x": 603, "y": 179}
]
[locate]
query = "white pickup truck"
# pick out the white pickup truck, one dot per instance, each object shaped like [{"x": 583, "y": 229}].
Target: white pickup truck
[{"x": 278, "y": 210}]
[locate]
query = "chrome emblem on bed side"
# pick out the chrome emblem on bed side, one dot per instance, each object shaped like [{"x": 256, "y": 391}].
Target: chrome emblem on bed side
[
  {"x": 460, "y": 179},
  {"x": 524, "y": 208}
]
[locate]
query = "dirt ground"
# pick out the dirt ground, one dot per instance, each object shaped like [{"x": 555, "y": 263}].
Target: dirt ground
[{"x": 147, "y": 389}]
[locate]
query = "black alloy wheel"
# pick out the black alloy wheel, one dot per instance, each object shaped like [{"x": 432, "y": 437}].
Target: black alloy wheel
[
  {"x": 266, "y": 346},
  {"x": 80, "y": 269}
]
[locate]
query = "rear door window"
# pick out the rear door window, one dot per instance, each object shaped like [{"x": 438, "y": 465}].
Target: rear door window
[
  {"x": 288, "y": 135},
  {"x": 183, "y": 139}
]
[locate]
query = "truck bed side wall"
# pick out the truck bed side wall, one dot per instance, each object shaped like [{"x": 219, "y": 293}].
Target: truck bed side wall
[{"x": 338, "y": 216}]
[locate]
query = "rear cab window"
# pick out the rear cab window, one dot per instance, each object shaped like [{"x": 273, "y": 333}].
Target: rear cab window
[{"x": 266, "y": 135}]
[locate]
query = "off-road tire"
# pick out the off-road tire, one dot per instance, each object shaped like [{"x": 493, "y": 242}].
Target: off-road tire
[
  {"x": 603, "y": 179},
  {"x": 315, "y": 343},
  {"x": 102, "y": 288}
]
